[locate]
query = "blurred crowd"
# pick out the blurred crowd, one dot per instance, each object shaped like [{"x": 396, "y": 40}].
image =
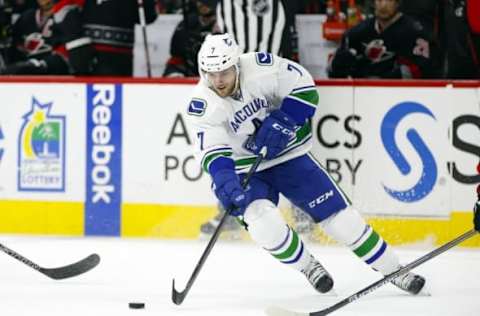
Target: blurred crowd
[{"x": 375, "y": 38}]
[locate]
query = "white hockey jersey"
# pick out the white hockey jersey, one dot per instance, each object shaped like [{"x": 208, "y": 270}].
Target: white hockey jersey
[{"x": 222, "y": 126}]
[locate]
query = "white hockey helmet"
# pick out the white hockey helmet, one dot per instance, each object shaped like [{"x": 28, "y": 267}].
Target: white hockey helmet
[{"x": 218, "y": 52}]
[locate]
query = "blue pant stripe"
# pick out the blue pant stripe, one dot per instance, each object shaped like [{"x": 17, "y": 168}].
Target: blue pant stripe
[{"x": 378, "y": 254}]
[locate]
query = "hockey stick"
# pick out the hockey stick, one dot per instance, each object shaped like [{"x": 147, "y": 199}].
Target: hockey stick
[
  {"x": 178, "y": 297},
  {"x": 143, "y": 25},
  {"x": 275, "y": 311},
  {"x": 59, "y": 273}
]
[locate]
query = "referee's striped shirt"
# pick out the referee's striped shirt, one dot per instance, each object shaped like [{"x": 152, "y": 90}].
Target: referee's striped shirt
[{"x": 257, "y": 25}]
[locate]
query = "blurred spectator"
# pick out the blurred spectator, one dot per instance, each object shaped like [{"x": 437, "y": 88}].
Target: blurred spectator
[
  {"x": 427, "y": 13},
  {"x": 261, "y": 25},
  {"x": 48, "y": 40},
  {"x": 187, "y": 39},
  {"x": 462, "y": 39},
  {"x": 110, "y": 25},
  {"x": 424, "y": 11},
  {"x": 388, "y": 45},
  {"x": 320, "y": 6}
]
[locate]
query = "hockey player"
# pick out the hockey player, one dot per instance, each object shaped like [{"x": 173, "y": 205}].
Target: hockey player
[
  {"x": 244, "y": 102},
  {"x": 389, "y": 45}
]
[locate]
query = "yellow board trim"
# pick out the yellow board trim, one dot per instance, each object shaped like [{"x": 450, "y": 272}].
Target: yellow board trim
[
  {"x": 183, "y": 221},
  {"x": 176, "y": 221},
  {"x": 45, "y": 218},
  {"x": 164, "y": 221}
]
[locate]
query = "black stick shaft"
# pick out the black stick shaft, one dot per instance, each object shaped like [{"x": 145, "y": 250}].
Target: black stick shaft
[
  {"x": 395, "y": 274},
  {"x": 178, "y": 297},
  {"x": 143, "y": 25},
  {"x": 19, "y": 257}
]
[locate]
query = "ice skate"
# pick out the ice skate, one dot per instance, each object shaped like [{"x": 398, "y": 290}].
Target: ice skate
[
  {"x": 410, "y": 282},
  {"x": 318, "y": 277}
]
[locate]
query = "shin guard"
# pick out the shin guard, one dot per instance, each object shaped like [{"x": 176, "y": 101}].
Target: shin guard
[
  {"x": 350, "y": 229},
  {"x": 268, "y": 229}
]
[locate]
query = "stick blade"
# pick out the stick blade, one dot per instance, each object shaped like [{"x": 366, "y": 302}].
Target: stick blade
[
  {"x": 278, "y": 311},
  {"x": 74, "y": 269},
  {"x": 177, "y": 297}
]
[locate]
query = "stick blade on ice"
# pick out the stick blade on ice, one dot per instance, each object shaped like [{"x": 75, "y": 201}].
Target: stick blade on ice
[{"x": 72, "y": 270}]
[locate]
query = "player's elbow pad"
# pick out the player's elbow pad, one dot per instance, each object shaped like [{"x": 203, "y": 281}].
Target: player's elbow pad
[{"x": 300, "y": 106}]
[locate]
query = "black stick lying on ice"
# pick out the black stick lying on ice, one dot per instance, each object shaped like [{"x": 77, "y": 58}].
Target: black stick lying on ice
[
  {"x": 276, "y": 311},
  {"x": 68, "y": 271}
]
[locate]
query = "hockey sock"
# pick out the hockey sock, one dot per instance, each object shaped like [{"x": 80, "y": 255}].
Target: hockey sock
[
  {"x": 349, "y": 228},
  {"x": 268, "y": 229}
]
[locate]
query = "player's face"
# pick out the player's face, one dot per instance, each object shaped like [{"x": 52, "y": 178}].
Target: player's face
[
  {"x": 223, "y": 82},
  {"x": 386, "y": 9}
]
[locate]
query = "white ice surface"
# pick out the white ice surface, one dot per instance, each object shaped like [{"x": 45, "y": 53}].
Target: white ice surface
[{"x": 238, "y": 278}]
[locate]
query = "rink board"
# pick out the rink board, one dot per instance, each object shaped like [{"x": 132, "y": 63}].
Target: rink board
[{"x": 114, "y": 158}]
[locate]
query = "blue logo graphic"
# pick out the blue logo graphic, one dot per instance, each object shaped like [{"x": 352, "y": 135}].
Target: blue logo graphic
[
  {"x": 41, "y": 150},
  {"x": 264, "y": 59},
  {"x": 429, "y": 168},
  {"x": 197, "y": 107},
  {"x": 104, "y": 159},
  {"x": 1, "y": 147}
]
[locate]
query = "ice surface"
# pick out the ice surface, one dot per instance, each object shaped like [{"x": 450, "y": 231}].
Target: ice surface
[{"x": 238, "y": 278}]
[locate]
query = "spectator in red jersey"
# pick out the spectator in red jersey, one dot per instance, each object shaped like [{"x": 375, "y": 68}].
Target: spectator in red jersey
[{"x": 388, "y": 45}]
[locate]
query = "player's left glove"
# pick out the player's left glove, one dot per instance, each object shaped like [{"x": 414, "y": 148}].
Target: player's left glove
[{"x": 275, "y": 133}]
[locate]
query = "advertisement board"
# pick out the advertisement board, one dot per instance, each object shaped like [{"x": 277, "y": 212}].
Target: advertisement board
[{"x": 115, "y": 159}]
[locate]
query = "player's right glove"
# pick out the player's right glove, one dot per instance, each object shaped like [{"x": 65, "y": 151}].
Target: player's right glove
[
  {"x": 229, "y": 191},
  {"x": 275, "y": 133}
]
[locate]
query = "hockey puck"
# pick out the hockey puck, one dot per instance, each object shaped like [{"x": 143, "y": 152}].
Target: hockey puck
[{"x": 136, "y": 305}]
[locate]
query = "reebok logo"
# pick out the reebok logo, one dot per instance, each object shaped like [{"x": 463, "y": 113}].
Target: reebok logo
[
  {"x": 104, "y": 162},
  {"x": 102, "y": 149}
]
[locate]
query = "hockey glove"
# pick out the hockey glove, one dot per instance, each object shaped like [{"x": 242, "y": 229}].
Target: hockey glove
[
  {"x": 275, "y": 133},
  {"x": 229, "y": 191}
]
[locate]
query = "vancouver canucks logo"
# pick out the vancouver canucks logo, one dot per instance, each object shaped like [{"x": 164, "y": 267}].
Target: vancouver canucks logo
[
  {"x": 1, "y": 144},
  {"x": 264, "y": 59},
  {"x": 428, "y": 176},
  {"x": 197, "y": 107},
  {"x": 41, "y": 154}
]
